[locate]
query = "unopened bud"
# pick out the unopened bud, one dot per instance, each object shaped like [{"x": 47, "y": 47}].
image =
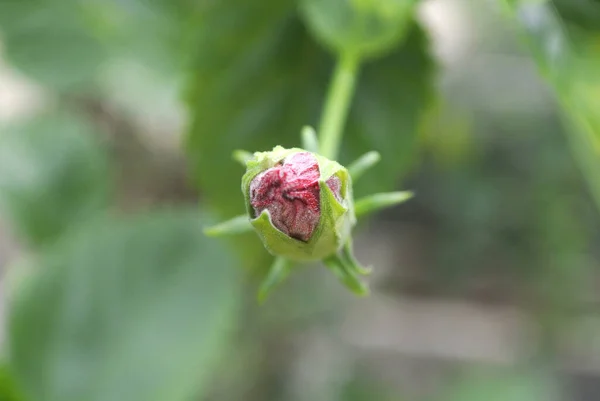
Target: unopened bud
[{"x": 298, "y": 202}]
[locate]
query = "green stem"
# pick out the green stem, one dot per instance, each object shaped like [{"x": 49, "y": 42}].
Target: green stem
[{"x": 337, "y": 104}]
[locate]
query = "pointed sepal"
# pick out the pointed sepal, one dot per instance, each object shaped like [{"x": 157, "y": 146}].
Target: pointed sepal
[
  {"x": 363, "y": 164},
  {"x": 346, "y": 275},
  {"x": 237, "y": 225},
  {"x": 241, "y": 156},
  {"x": 278, "y": 272},
  {"x": 376, "y": 202},
  {"x": 309, "y": 139}
]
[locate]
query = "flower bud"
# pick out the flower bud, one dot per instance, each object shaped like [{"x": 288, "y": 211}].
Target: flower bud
[{"x": 299, "y": 203}]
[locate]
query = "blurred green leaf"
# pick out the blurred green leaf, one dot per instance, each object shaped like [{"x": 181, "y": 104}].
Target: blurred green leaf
[
  {"x": 8, "y": 387},
  {"x": 134, "y": 309},
  {"x": 393, "y": 99},
  {"x": 585, "y": 13},
  {"x": 365, "y": 28},
  {"x": 259, "y": 78},
  {"x": 569, "y": 58},
  {"x": 252, "y": 88},
  {"x": 149, "y": 31},
  {"x": 365, "y": 388},
  {"x": 148, "y": 50},
  {"x": 65, "y": 43},
  {"x": 500, "y": 387},
  {"x": 53, "y": 174},
  {"x": 50, "y": 41}
]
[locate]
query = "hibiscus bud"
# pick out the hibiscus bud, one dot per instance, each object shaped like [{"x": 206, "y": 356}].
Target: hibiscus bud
[{"x": 299, "y": 203}]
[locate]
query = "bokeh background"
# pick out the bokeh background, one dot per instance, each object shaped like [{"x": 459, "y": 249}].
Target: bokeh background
[{"x": 485, "y": 284}]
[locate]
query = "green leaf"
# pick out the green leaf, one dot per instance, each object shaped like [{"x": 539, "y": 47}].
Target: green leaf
[
  {"x": 363, "y": 28},
  {"x": 254, "y": 88},
  {"x": 50, "y": 41},
  {"x": 569, "y": 58},
  {"x": 149, "y": 31},
  {"x": 263, "y": 78},
  {"x": 53, "y": 174},
  {"x": 135, "y": 309},
  {"x": 501, "y": 386},
  {"x": 394, "y": 96},
  {"x": 368, "y": 388},
  {"x": 585, "y": 13},
  {"x": 67, "y": 44},
  {"x": 8, "y": 387}
]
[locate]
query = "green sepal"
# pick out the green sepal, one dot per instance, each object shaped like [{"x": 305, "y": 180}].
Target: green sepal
[
  {"x": 376, "y": 202},
  {"x": 360, "y": 166},
  {"x": 241, "y": 156},
  {"x": 278, "y": 272},
  {"x": 346, "y": 275},
  {"x": 347, "y": 255},
  {"x": 309, "y": 139},
  {"x": 237, "y": 225}
]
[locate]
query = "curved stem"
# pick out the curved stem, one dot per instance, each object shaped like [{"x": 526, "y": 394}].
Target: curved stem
[{"x": 337, "y": 104}]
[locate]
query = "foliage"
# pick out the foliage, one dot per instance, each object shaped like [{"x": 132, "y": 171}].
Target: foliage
[
  {"x": 67, "y": 44},
  {"x": 105, "y": 297},
  {"x": 368, "y": 28},
  {"x": 569, "y": 57},
  {"x": 525, "y": 386},
  {"x": 141, "y": 307},
  {"x": 115, "y": 298},
  {"x": 8, "y": 387},
  {"x": 50, "y": 41},
  {"x": 266, "y": 78},
  {"x": 54, "y": 176}
]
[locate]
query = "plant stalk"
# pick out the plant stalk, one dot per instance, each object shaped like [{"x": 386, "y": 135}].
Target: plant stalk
[{"x": 337, "y": 105}]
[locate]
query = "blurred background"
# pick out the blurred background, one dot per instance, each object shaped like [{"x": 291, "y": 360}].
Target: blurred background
[{"x": 485, "y": 284}]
